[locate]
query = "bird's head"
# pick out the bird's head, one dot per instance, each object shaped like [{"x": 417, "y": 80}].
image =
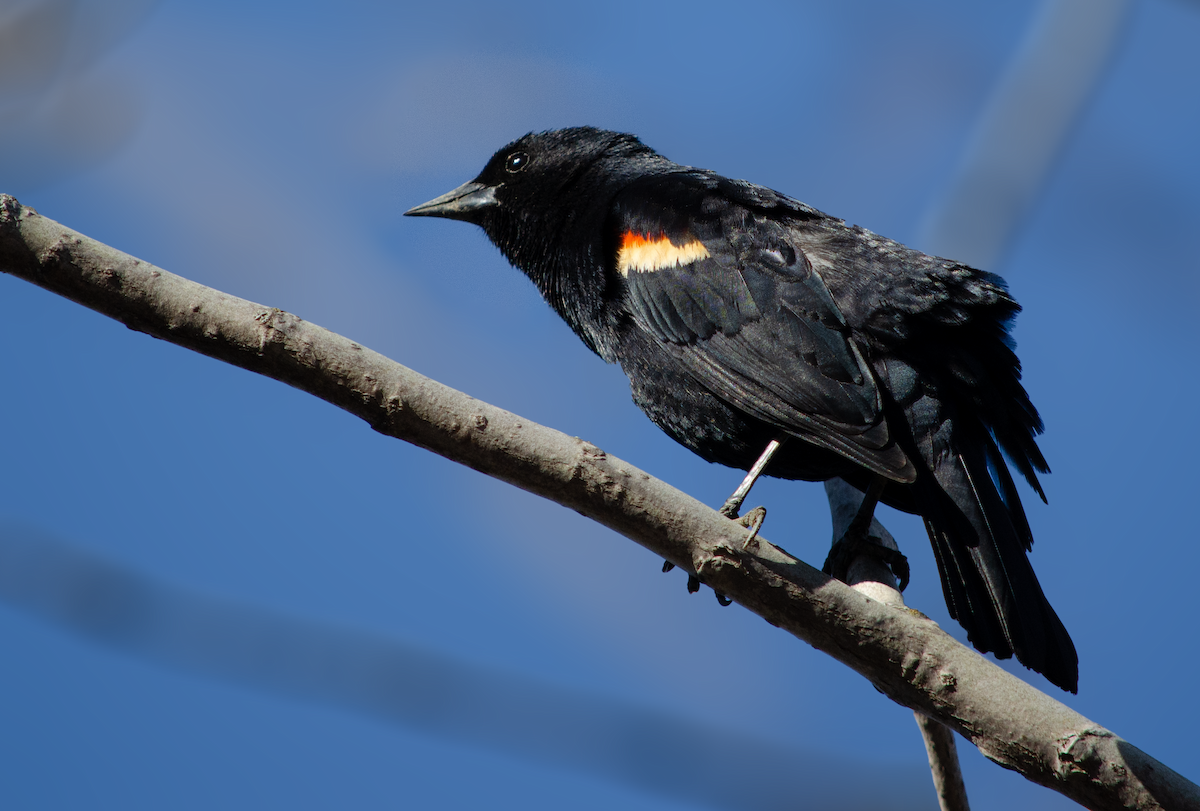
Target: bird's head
[{"x": 542, "y": 187}]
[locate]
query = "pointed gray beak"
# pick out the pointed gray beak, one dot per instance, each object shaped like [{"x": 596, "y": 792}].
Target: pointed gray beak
[{"x": 464, "y": 203}]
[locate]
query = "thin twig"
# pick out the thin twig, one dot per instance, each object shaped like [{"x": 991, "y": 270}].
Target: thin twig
[{"x": 943, "y": 764}]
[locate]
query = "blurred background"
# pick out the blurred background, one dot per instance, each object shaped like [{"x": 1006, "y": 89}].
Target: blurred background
[{"x": 218, "y": 592}]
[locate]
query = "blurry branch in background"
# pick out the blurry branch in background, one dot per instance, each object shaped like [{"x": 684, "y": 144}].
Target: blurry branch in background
[
  {"x": 387, "y": 680},
  {"x": 58, "y": 114},
  {"x": 1023, "y": 127},
  {"x": 907, "y": 657}
]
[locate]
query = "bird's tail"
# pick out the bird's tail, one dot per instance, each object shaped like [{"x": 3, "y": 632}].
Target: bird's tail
[{"x": 981, "y": 538}]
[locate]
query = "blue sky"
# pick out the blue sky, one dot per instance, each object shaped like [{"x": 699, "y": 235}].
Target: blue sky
[{"x": 269, "y": 149}]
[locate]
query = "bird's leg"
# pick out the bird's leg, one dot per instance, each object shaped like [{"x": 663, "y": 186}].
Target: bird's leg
[
  {"x": 752, "y": 520},
  {"x": 856, "y": 541},
  {"x": 866, "y": 511},
  {"x": 733, "y": 504}
]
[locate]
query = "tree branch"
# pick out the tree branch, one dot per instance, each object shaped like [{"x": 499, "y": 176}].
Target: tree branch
[
  {"x": 943, "y": 763},
  {"x": 905, "y": 655}
]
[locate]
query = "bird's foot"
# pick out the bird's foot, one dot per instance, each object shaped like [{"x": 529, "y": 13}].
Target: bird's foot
[
  {"x": 732, "y": 506},
  {"x": 693, "y": 585},
  {"x": 752, "y": 521},
  {"x": 849, "y": 546}
]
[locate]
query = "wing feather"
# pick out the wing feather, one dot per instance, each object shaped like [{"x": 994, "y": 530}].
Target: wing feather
[{"x": 755, "y": 324}]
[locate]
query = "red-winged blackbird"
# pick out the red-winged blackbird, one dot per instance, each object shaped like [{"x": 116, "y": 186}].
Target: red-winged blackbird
[{"x": 741, "y": 316}]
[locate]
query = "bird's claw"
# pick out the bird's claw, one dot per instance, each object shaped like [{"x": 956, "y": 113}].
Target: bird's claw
[{"x": 752, "y": 521}]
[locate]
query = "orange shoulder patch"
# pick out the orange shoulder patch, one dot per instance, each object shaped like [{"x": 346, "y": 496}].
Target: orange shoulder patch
[{"x": 646, "y": 253}]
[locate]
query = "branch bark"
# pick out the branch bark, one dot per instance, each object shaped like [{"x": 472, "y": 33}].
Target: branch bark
[
  {"x": 904, "y": 654},
  {"x": 943, "y": 764}
]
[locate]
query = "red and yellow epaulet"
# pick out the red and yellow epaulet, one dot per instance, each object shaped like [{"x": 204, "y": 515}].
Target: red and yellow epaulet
[{"x": 646, "y": 253}]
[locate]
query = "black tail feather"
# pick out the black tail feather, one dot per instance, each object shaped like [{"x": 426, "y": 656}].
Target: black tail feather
[
  {"x": 1007, "y": 489},
  {"x": 980, "y": 540}
]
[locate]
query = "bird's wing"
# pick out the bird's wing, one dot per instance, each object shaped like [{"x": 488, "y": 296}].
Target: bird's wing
[{"x": 733, "y": 299}]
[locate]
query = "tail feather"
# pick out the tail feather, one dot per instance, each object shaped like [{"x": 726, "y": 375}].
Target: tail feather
[
  {"x": 980, "y": 538},
  {"x": 1007, "y": 489}
]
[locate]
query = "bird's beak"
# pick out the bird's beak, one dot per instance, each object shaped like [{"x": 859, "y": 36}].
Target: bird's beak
[{"x": 464, "y": 203}]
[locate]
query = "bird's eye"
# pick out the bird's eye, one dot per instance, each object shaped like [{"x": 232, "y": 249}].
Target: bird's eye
[{"x": 516, "y": 162}]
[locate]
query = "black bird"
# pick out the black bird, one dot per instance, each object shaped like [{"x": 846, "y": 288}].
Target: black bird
[{"x": 742, "y": 316}]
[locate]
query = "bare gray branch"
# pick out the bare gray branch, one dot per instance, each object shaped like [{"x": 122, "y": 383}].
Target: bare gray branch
[
  {"x": 904, "y": 654},
  {"x": 943, "y": 763}
]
